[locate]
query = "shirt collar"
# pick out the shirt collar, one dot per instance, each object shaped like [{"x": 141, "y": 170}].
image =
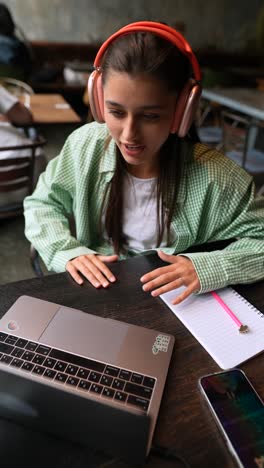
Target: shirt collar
[
  {"x": 108, "y": 158},
  {"x": 187, "y": 148}
]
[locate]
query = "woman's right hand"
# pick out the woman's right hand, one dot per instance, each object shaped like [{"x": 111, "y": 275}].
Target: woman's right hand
[{"x": 93, "y": 268}]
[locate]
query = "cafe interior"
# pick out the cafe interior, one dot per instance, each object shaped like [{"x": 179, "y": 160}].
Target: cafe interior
[
  {"x": 61, "y": 39},
  {"x": 228, "y": 43}
]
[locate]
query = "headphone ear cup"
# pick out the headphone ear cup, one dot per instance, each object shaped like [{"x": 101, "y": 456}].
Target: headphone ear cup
[
  {"x": 186, "y": 108},
  {"x": 96, "y": 96}
]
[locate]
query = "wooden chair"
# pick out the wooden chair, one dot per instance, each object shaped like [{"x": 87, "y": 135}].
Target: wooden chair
[{"x": 17, "y": 173}]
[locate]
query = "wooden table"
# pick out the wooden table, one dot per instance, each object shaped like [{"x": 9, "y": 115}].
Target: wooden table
[
  {"x": 50, "y": 109},
  {"x": 184, "y": 421}
]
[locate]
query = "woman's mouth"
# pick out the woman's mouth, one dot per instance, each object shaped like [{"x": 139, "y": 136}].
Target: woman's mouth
[{"x": 133, "y": 150}]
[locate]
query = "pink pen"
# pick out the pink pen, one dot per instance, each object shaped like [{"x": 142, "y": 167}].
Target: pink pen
[{"x": 242, "y": 328}]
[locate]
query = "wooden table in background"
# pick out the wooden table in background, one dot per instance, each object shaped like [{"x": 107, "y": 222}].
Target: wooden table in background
[{"x": 50, "y": 109}]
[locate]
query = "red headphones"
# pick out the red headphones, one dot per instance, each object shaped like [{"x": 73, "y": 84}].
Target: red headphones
[{"x": 188, "y": 99}]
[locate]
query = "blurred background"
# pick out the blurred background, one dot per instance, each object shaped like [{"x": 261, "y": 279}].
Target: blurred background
[
  {"x": 61, "y": 38},
  {"x": 221, "y": 24}
]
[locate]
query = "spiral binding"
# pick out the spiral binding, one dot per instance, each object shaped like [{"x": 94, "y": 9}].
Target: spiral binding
[{"x": 250, "y": 306}]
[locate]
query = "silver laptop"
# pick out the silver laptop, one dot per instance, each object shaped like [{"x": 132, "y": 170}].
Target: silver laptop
[{"x": 89, "y": 379}]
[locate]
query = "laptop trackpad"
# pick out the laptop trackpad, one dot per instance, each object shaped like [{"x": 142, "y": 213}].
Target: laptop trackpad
[{"x": 85, "y": 334}]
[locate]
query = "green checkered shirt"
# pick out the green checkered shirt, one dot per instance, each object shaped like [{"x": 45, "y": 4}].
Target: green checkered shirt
[{"x": 216, "y": 202}]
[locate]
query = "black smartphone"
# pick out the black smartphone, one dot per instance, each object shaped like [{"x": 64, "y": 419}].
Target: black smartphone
[{"x": 239, "y": 413}]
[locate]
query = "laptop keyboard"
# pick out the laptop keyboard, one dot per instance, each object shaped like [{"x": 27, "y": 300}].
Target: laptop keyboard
[{"x": 87, "y": 375}]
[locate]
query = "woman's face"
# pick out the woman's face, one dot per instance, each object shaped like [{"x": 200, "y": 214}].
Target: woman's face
[{"x": 138, "y": 112}]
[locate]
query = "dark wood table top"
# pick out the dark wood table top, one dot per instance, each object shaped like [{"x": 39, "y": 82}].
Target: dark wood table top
[{"x": 184, "y": 421}]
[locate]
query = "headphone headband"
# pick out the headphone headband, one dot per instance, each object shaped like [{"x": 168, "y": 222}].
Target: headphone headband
[{"x": 162, "y": 30}]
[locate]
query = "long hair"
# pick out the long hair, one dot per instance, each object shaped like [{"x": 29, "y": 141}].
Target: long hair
[{"x": 148, "y": 54}]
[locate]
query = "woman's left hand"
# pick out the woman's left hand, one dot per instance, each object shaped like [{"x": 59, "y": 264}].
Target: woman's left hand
[{"x": 181, "y": 272}]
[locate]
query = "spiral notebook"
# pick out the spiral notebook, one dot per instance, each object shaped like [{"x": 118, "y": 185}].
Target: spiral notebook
[{"x": 215, "y": 330}]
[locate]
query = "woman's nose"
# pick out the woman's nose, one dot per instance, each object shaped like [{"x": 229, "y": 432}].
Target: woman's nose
[{"x": 130, "y": 129}]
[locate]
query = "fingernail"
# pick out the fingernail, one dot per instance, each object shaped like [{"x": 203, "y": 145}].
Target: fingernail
[
  {"x": 175, "y": 302},
  {"x": 105, "y": 284},
  {"x": 154, "y": 294},
  {"x": 80, "y": 281},
  {"x": 144, "y": 287},
  {"x": 112, "y": 279},
  {"x": 97, "y": 285}
]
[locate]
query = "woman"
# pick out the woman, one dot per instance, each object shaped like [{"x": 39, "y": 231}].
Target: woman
[{"x": 134, "y": 185}]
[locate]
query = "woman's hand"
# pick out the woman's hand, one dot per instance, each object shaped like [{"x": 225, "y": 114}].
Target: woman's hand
[
  {"x": 93, "y": 268},
  {"x": 181, "y": 272}
]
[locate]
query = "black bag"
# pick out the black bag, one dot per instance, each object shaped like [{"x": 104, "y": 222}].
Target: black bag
[{"x": 13, "y": 52}]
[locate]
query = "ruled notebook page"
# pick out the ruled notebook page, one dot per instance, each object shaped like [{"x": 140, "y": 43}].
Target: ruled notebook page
[{"x": 215, "y": 330}]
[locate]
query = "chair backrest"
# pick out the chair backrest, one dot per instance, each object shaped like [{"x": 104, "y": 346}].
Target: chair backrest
[
  {"x": 208, "y": 123},
  {"x": 16, "y": 173},
  {"x": 234, "y": 125},
  {"x": 208, "y": 113},
  {"x": 16, "y": 87},
  {"x": 240, "y": 138},
  {"x": 236, "y": 132}
]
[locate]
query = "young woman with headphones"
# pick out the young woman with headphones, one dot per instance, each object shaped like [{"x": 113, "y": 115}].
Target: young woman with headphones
[{"x": 135, "y": 181}]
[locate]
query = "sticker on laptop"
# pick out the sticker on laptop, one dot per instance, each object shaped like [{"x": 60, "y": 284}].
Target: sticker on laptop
[
  {"x": 161, "y": 344},
  {"x": 12, "y": 325}
]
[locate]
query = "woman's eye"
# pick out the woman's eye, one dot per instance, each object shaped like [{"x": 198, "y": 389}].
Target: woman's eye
[
  {"x": 116, "y": 113},
  {"x": 151, "y": 116}
]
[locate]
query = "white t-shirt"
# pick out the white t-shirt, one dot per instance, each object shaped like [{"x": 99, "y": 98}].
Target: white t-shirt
[{"x": 140, "y": 223}]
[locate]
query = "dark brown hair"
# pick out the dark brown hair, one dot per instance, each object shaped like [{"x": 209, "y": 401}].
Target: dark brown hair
[{"x": 148, "y": 54}]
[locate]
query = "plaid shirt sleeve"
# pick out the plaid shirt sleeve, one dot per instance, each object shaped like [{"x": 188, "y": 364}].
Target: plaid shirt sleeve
[
  {"x": 61, "y": 192},
  {"x": 231, "y": 211}
]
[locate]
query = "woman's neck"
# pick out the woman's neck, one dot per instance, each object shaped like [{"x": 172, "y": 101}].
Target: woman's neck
[{"x": 143, "y": 172}]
